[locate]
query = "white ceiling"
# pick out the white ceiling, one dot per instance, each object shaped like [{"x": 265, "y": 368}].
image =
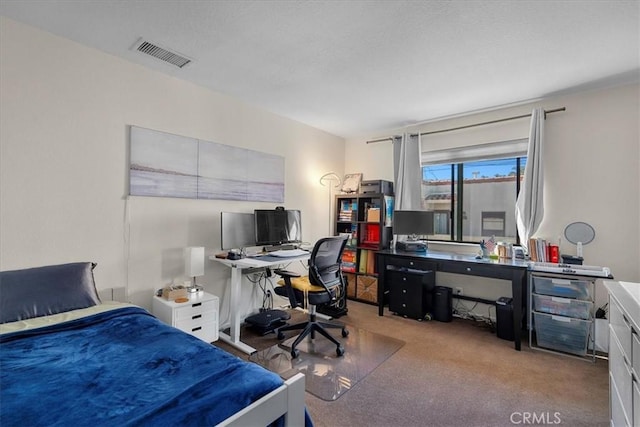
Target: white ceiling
[{"x": 360, "y": 67}]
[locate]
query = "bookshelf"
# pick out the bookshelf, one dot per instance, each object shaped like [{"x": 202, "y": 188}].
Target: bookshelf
[{"x": 367, "y": 219}]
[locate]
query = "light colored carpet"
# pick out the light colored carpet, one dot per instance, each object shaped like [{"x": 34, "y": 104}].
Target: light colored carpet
[{"x": 459, "y": 374}]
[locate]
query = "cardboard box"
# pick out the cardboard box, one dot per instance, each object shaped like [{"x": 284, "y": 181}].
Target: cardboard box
[
  {"x": 373, "y": 215},
  {"x": 172, "y": 294}
]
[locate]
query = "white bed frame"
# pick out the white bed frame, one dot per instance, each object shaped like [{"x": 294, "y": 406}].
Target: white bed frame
[{"x": 287, "y": 400}]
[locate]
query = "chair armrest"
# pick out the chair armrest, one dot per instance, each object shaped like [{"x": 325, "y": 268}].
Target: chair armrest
[{"x": 286, "y": 273}]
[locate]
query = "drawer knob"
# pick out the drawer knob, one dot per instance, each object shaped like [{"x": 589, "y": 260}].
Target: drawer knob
[
  {"x": 196, "y": 329},
  {"x": 197, "y": 316},
  {"x": 404, "y": 305},
  {"x": 404, "y": 291},
  {"x": 198, "y": 304},
  {"x": 468, "y": 268}
]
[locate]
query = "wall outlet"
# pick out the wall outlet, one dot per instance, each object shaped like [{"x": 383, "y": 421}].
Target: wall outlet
[{"x": 458, "y": 291}]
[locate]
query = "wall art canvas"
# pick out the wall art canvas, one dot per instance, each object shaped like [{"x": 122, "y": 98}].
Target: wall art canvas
[{"x": 166, "y": 165}]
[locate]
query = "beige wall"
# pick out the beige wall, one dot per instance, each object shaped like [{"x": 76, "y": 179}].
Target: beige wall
[
  {"x": 64, "y": 112},
  {"x": 65, "y": 109},
  {"x": 591, "y": 165}
]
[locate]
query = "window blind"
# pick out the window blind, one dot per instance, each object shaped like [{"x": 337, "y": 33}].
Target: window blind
[
  {"x": 496, "y": 140},
  {"x": 492, "y": 150}
]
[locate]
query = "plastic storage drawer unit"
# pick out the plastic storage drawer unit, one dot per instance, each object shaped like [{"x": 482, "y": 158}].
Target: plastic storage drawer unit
[
  {"x": 567, "y": 288},
  {"x": 563, "y": 306},
  {"x": 562, "y": 333}
]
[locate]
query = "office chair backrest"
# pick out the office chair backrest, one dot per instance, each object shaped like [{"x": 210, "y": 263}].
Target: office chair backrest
[{"x": 325, "y": 261}]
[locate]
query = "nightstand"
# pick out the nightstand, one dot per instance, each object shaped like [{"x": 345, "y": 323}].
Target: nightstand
[{"x": 198, "y": 316}]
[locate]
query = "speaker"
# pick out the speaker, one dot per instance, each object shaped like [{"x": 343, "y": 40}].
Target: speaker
[
  {"x": 504, "y": 318},
  {"x": 442, "y": 304}
]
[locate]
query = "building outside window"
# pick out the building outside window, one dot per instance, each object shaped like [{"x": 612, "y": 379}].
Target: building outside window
[{"x": 473, "y": 200}]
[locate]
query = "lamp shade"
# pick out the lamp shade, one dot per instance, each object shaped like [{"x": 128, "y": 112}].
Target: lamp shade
[{"x": 194, "y": 261}]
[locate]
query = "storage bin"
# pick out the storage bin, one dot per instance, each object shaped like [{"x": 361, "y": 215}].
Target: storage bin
[
  {"x": 567, "y": 288},
  {"x": 563, "y": 306},
  {"x": 367, "y": 288},
  {"x": 351, "y": 284},
  {"x": 562, "y": 333}
]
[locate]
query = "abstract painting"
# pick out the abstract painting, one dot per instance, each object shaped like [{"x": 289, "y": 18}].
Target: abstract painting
[{"x": 166, "y": 165}]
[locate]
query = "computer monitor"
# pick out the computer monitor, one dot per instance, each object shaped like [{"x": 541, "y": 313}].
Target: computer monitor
[
  {"x": 237, "y": 230},
  {"x": 277, "y": 227},
  {"x": 413, "y": 223}
]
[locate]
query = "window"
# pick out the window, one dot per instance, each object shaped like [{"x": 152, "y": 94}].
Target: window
[{"x": 473, "y": 200}]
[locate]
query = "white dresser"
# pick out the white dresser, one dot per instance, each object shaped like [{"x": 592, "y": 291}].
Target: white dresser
[
  {"x": 198, "y": 316},
  {"x": 624, "y": 353}
]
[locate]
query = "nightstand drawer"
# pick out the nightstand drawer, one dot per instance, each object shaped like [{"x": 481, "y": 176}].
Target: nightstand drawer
[
  {"x": 205, "y": 331},
  {"x": 196, "y": 321},
  {"x": 189, "y": 310}
]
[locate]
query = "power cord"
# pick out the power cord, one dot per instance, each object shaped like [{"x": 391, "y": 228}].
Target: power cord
[{"x": 462, "y": 311}]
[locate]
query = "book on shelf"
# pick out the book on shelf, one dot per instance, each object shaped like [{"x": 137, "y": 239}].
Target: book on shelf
[
  {"x": 362, "y": 266},
  {"x": 367, "y": 261},
  {"x": 371, "y": 255},
  {"x": 345, "y": 216},
  {"x": 349, "y": 255},
  {"x": 348, "y": 205},
  {"x": 349, "y": 267},
  {"x": 388, "y": 204},
  {"x": 371, "y": 234},
  {"x": 541, "y": 250}
]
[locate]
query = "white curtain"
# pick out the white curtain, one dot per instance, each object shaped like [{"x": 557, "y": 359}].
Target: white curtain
[
  {"x": 529, "y": 206},
  {"x": 407, "y": 172}
]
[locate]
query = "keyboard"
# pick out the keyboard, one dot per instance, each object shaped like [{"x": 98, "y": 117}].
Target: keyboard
[{"x": 289, "y": 253}]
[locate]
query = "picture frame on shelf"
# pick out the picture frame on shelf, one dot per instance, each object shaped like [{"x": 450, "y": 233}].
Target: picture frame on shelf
[{"x": 351, "y": 183}]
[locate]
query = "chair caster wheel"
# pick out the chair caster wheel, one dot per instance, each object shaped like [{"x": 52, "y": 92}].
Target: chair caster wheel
[
  {"x": 340, "y": 350},
  {"x": 345, "y": 333},
  {"x": 280, "y": 335},
  {"x": 295, "y": 353}
]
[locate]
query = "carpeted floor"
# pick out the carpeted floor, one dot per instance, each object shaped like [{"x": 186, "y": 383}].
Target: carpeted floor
[{"x": 459, "y": 374}]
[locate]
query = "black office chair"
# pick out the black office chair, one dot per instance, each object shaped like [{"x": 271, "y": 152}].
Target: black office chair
[{"x": 324, "y": 284}]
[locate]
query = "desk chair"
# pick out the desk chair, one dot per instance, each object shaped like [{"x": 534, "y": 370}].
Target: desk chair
[{"x": 324, "y": 284}]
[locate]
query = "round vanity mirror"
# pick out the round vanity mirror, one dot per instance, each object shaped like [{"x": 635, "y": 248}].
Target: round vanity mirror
[{"x": 579, "y": 232}]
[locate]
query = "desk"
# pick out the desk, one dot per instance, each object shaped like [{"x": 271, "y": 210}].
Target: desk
[
  {"x": 506, "y": 269},
  {"x": 238, "y": 268}
]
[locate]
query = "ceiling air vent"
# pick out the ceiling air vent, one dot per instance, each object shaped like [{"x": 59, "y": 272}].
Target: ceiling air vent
[{"x": 161, "y": 53}]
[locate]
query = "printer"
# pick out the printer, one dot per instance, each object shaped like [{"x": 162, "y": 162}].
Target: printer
[{"x": 411, "y": 246}]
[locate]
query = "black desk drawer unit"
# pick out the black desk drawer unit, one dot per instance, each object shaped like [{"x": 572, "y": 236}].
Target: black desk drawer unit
[
  {"x": 406, "y": 263},
  {"x": 410, "y": 292}
]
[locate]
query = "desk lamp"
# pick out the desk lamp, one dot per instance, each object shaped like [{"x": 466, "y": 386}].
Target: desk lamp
[{"x": 194, "y": 266}]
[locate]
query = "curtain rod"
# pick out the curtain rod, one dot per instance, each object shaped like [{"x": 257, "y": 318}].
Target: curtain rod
[
  {"x": 389, "y": 138},
  {"x": 555, "y": 110}
]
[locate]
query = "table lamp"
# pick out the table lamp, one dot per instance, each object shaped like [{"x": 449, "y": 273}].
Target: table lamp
[{"x": 194, "y": 266}]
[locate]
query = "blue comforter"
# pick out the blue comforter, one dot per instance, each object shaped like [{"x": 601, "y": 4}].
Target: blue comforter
[{"x": 120, "y": 368}]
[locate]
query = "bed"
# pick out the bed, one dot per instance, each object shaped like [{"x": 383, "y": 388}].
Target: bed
[{"x": 68, "y": 359}]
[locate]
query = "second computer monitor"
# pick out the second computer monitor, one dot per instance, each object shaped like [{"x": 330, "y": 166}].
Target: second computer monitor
[
  {"x": 237, "y": 230},
  {"x": 277, "y": 227},
  {"x": 413, "y": 223}
]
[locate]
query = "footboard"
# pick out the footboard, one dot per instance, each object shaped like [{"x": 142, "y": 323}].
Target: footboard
[{"x": 287, "y": 400}]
